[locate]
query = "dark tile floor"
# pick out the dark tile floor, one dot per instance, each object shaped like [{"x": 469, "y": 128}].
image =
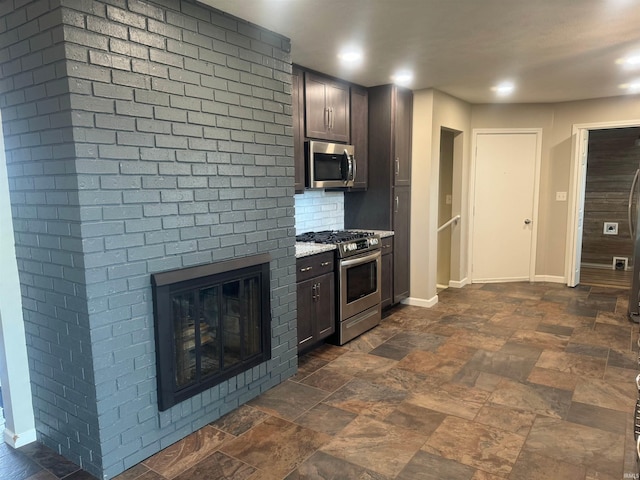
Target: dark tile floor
[{"x": 517, "y": 381}]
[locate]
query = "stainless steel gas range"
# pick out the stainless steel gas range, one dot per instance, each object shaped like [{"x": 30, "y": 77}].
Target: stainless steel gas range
[{"x": 358, "y": 279}]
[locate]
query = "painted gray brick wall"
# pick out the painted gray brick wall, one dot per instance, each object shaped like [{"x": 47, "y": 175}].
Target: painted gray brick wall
[
  {"x": 40, "y": 155},
  {"x": 141, "y": 136}
]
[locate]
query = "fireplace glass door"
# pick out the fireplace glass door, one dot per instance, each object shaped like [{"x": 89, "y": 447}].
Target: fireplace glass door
[
  {"x": 215, "y": 329},
  {"x": 218, "y": 328}
]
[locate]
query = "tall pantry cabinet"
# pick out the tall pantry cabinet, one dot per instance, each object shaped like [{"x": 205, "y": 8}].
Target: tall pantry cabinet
[{"x": 385, "y": 205}]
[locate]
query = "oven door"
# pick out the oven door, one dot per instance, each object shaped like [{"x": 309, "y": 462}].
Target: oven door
[{"x": 360, "y": 283}]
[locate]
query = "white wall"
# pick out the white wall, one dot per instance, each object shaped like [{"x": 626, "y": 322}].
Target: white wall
[
  {"x": 14, "y": 370},
  {"x": 433, "y": 111},
  {"x": 556, "y": 121}
]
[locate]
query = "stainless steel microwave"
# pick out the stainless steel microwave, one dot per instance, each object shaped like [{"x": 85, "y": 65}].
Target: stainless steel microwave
[{"x": 330, "y": 165}]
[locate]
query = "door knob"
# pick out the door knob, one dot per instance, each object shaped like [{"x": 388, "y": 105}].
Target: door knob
[{"x": 527, "y": 221}]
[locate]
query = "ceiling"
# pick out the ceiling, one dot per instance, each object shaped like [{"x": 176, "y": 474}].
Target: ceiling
[{"x": 552, "y": 50}]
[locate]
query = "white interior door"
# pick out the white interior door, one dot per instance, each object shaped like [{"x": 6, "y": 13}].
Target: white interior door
[{"x": 506, "y": 166}]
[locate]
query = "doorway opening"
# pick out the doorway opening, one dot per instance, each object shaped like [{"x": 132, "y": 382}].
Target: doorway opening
[
  {"x": 593, "y": 205},
  {"x": 445, "y": 208},
  {"x": 607, "y": 246}
]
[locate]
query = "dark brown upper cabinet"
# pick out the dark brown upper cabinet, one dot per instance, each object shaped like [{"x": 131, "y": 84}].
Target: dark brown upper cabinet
[
  {"x": 402, "y": 111},
  {"x": 326, "y": 108},
  {"x": 297, "y": 113},
  {"x": 360, "y": 134}
]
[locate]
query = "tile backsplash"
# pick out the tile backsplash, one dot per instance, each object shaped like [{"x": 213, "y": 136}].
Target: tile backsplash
[{"x": 318, "y": 210}]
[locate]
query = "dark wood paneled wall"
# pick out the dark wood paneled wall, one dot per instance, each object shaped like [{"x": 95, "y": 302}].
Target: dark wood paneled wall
[{"x": 611, "y": 164}]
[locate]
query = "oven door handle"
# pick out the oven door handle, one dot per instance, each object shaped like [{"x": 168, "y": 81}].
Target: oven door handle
[{"x": 359, "y": 260}]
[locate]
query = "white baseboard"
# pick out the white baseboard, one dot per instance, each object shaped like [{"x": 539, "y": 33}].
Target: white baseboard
[
  {"x": 458, "y": 283},
  {"x": 550, "y": 279},
  {"x": 19, "y": 440},
  {"x": 420, "y": 302},
  {"x": 501, "y": 280}
]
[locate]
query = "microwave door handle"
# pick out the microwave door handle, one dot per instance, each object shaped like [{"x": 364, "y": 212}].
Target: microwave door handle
[
  {"x": 351, "y": 174},
  {"x": 355, "y": 167}
]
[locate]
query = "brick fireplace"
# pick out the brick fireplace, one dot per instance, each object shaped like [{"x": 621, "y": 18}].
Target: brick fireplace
[{"x": 142, "y": 136}]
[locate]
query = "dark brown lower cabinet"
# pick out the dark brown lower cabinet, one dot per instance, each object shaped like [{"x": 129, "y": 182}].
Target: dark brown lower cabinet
[
  {"x": 316, "y": 299},
  {"x": 401, "y": 221},
  {"x": 387, "y": 272}
]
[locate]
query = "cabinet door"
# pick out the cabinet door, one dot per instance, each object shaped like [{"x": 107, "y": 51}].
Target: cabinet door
[
  {"x": 326, "y": 108},
  {"x": 297, "y": 113},
  {"x": 325, "y": 306},
  {"x": 338, "y": 104},
  {"x": 306, "y": 312},
  {"x": 360, "y": 134},
  {"x": 401, "y": 218},
  {"x": 315, "y": 106},
  {"x": 402, "y": 136}
]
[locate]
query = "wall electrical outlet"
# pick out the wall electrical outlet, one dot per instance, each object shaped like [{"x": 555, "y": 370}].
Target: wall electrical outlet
[
  {"x": 610, "y": 228},
  {"x": 561, "y": 196}
]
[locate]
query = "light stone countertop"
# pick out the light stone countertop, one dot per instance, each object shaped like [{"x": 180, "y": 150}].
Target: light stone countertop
[{"x": 304, "y": 249}]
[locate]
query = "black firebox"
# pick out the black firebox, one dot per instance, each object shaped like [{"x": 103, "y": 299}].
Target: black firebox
[{"x": 212, "y": 322}]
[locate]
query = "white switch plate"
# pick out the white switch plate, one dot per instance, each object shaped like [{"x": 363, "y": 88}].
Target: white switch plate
[
  {"x": 561, "y": 196},
  {"x": 448, "y": 199},
  {"x": 610, "y": 228}
]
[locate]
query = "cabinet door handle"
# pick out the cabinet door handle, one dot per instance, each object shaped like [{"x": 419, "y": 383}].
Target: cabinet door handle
[
  {"x": 306, "y": 269},
  {"x": 397, "y": 200},
  {"x": 313, "y": 292},
  {"x": 397, "y": 166},
  {"x": 317, "y": 292},
  {"x": 327, "y": 118},
  {"x": 325, "y": 264}
]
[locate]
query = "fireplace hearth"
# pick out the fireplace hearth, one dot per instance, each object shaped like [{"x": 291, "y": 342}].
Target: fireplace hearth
[{"x": 212, "y": 322}]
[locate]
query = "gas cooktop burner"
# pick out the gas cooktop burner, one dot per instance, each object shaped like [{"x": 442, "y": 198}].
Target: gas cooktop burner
[{"x": 333, "y": 236}]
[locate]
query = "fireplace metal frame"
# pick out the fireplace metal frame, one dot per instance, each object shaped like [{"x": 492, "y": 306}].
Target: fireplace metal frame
[{"x": 194, "y": 278}]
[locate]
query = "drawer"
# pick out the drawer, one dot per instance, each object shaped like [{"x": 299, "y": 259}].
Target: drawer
[
  {"x": 314, "y": 265},
  {"x": 387, "y": 245}
]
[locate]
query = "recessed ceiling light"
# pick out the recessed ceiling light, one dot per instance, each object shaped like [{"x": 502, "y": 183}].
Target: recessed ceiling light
[
  {"x": 503, "y": 89},
  {"x": 632, "y": 61},
  {"x": 402, "y": 77},
  {"x": 350, "y": 57},
  {"x": 631, "y": 87}
]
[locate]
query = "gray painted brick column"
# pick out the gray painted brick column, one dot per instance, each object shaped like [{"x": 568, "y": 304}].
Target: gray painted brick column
[{"x": 141, "y": 136}]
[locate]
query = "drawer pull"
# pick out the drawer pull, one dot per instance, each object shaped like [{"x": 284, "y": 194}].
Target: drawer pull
[
  {"x": 325, "y": 264},
  {"x": 386, "y": 246},
  {"x": 306, "y": 269}
]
